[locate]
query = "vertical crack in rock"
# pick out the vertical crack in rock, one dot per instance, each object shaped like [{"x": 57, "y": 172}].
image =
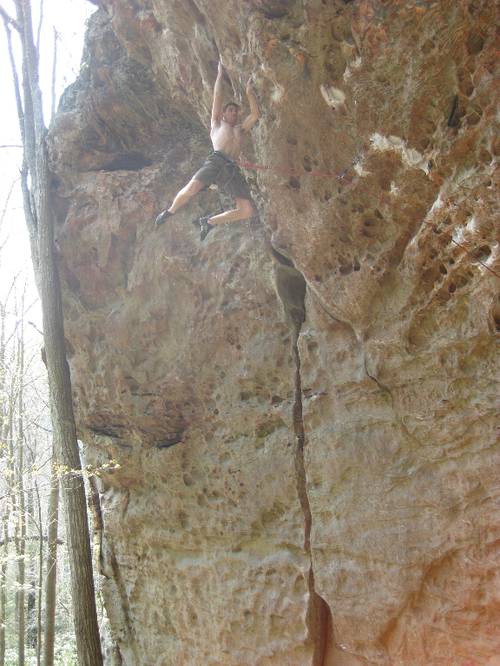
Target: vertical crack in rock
[
  {"x": 98, "y": 526},
  {"x": 291, "y": 287},
  {"x": 120, "y": 586},
  {"x": 318, "y": 616}
]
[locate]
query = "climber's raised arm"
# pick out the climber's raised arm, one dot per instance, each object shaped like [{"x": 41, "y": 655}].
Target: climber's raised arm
[
  {"x": 254, "y": 115},
  {"x": 221, "y": 166},
  {"x": 217, "y": 101}
]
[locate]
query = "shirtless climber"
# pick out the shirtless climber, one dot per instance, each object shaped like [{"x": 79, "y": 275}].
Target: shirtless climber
[{"x": 220, "y": 166}]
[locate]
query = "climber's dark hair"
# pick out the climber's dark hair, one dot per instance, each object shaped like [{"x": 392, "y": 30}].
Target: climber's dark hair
[{"x": 226, "y": 106}]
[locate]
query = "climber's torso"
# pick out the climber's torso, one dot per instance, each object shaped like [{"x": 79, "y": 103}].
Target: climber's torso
[{"x": 227, "y": 139}]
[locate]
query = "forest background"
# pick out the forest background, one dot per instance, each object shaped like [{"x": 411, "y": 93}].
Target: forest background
[{"x": 25, "y": 424}]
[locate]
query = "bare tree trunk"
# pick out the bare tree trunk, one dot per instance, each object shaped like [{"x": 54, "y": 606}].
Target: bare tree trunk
[
  {"x": 5, "y": 516},
  {"x": 3, "y": 402},
  {"x": 11, "y": 470},
  {"x": 21, "y": 517},
  {"x": 32, "y": 523},
  {"x": 82, "y": 581},
  {"x": 31, "y": 634},
  {"x": 50, "y": 582},
  {"x": 3, "y": 578},
  {"x": 40, "y": 579},
  {"x": 38, "y": 215},
  {"x": 31, "y": 594}
]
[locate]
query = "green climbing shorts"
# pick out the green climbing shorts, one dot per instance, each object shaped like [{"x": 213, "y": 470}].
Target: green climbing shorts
[{"x": 221, "y": 170}]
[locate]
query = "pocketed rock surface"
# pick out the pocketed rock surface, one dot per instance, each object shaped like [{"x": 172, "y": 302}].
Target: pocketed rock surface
[{"x": 294, "y": 421}]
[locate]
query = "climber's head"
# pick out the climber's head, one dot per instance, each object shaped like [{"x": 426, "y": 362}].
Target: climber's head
[{"x": 230, "y": 113}]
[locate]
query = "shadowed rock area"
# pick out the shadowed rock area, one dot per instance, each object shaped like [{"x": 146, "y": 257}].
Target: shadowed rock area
[{"x": 298, "y": 413}]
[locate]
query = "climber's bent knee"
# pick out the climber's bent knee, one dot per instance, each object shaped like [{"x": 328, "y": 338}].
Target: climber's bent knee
[{"x": 246, "y": 207}]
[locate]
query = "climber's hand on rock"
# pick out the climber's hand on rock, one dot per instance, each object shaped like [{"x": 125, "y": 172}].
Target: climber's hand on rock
[{"x": 250, "y": 121}]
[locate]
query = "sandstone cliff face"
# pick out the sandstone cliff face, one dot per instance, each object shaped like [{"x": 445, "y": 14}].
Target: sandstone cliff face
[{"x": 303, "y": 406}]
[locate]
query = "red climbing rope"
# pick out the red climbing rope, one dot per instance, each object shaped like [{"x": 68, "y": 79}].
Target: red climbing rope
[
  {"x": 342, "y": 176},
  {"x": 293, "y": 173}
]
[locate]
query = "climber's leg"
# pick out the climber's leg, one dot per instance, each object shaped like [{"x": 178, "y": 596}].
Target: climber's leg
[
  {"x": 244, "y": 210},
  {"x": 181, "y": 198},
  {"x": 233, "y": 182}
]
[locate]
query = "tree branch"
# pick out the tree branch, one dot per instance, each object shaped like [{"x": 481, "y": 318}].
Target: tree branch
[
  {"x": 17, "y": 87},
  {"x": 39, "y": 30},
  {"x": 54, "y": 71},
  {"x": 4, "y": 211},
  {"x": 27, "y": 136},
  {"x": 9, "y": 20}
]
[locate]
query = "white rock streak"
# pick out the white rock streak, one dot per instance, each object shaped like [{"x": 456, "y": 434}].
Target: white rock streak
[
  {"x": 334, "y": 97},
  {"x": 409, "y": 156}
]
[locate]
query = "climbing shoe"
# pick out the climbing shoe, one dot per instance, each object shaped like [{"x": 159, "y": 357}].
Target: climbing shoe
[
  {"x": 162, "y": 217},
  {"x": 205, "y": 227}
]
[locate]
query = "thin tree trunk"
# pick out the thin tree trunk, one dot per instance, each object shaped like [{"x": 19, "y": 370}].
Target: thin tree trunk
[
  {"x": 31, "y": 606},
  {"x": 10, "y": 508},
  {"x": 3, "y": 578},
  {"x": 40, "y": 579},
  {"x": 73, "y": 490},
  {"x": 80, "y": 557},
  {"x": 32, "y": 523},
  {"x": 38, "y": 211},
  {"x": 3, "y": 403},
  {"x": 31, "y": 594},
  {"x": 51, "y": 576},
  {"x": 21, "y": 518},
  {"x": 11, "y": 468},
  {"x": 4, "y": 553}
]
